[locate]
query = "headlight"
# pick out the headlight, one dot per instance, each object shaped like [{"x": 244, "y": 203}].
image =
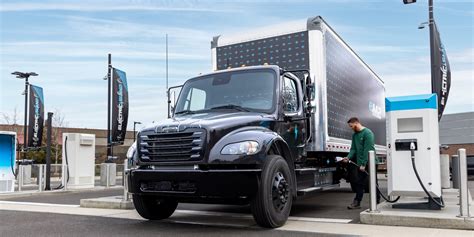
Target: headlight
[
  {"x": 131, "y": 151},
  {"x": 241, "y": 148}
]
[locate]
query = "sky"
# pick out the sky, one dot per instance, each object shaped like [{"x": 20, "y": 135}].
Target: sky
[{"x": 67, "y": 42}]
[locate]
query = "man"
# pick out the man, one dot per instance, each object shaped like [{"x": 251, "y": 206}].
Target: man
[{"x": 362, "y": 143}]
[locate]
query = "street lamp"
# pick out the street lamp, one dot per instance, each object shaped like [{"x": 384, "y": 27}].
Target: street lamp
[
  {"x": 25, "y": 75},
  {"x": 431, "y": 24},
  {"x": 134, "y": 133},
  {"x": 422, "y": 25}
]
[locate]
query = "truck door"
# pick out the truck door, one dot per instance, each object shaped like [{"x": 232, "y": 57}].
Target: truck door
[{"x": 293, "y": 126}]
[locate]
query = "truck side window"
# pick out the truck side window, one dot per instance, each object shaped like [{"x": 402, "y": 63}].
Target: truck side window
[{"x": 290, "y": 97}]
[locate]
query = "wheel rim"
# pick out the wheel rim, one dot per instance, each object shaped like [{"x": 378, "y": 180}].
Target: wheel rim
[{"x": 280, "y": 191}]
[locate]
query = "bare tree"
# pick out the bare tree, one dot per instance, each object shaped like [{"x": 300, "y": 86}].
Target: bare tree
[
  {"x": 11, "y": 119},
  {"x": 59, "y": 122}
]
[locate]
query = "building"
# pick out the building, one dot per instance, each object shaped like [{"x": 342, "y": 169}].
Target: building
[
  {"x": 100, "y": 136},
  {"x": 457, "y": 131}
]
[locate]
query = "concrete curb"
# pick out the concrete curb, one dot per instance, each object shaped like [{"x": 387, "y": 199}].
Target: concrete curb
[
  {"x": 114, "y": 202},
  {"x": 446, "y": 218},
  {"x": 29, "y": 193}
]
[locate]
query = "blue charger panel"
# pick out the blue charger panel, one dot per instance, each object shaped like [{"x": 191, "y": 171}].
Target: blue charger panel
[
  {"x": 428, "y": 101},
  {"x": 7, "y": 151}
]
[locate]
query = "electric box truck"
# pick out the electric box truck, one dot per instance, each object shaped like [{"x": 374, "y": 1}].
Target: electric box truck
[{"x": 263, "y": 128}]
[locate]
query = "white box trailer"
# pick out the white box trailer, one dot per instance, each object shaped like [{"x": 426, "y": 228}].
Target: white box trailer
[{"x": 345, "y": 85}]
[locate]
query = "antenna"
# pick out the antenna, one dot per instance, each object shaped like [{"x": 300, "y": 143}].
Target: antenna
[{"x": 166, "y": 62}]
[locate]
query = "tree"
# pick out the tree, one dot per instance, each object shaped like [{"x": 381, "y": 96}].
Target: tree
[{"x": 59, "y": 122}]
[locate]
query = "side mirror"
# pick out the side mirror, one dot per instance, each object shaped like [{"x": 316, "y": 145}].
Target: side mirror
[
  {"x": 171, "y": 94},
  {"x": 310, "y": 91}
]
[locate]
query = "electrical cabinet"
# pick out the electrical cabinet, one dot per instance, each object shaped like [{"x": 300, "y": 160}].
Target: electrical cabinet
[
  {"x": 412, "y": 123},
  {"x": 7, "y": 161},
  {"x": 78, "y": 157}
]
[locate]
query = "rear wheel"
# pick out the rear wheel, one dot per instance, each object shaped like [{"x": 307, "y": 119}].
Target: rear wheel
[
  {"x": 272, "y": 204},
  {"x": 153, "y": 208}
]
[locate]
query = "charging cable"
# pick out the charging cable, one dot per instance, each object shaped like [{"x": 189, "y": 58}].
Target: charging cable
[
  {"x": 412, "y": 150},
  {"x": 67, "y": 165},
  {"x": 376, "y": 184}
]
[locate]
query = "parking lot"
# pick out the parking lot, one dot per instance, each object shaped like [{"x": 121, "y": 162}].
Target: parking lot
[{"x": 59, "y": 214}]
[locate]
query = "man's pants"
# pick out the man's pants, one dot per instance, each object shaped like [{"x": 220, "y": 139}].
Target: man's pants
[{"x": 359, "y": 182}]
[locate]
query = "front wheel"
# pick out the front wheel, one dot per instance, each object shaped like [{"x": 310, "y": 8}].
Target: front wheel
[
  {"x": 272, "y": 204},
  {"x": 153, "y": 208}
]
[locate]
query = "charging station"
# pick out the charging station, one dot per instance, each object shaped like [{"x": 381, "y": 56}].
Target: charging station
[
  {"x": 78, "y": 157},
  {"x": 413, "y": 164},
  {"x": 7, "y": 161}
]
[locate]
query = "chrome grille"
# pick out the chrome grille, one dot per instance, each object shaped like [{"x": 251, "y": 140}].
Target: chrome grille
[{"x": 176, "y": 146}]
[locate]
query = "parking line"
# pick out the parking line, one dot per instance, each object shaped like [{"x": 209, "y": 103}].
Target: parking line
[
  {"x": 193, "y": 212},
  {"x": 239, "y": 215},
  {"x": 38, "y": 204}
]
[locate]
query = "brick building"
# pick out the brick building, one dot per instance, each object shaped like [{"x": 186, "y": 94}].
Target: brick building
[
  {"x": 100, "y": 136},
  {"x": 457, "y": 131}
]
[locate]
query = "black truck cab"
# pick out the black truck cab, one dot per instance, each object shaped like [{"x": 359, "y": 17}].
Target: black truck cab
[{"x": 236, "y": 136}]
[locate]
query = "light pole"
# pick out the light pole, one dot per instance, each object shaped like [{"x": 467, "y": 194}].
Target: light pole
[
  {"x": 25, "y": 75},
  {"x": 431, "y": 23},
  {"x": 134, "y": 133}
]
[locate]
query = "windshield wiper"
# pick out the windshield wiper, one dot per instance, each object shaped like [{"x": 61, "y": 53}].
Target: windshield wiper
[
  {"x": 231, "y": 106},
  {"x": 186, "y": 111}
]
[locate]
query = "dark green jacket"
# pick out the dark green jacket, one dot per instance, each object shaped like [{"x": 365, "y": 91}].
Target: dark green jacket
[{"x": 362, "y": 143}]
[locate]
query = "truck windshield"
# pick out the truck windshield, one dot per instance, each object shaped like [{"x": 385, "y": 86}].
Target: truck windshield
[{"x": 252, "y": 90}]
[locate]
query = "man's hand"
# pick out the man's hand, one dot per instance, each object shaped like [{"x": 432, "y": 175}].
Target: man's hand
[
  {"x": 362, "y": 168},
  {"x": 345, "y": 160}
]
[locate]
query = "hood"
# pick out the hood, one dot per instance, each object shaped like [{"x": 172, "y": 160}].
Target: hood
[{"x": 212, "y": 122}]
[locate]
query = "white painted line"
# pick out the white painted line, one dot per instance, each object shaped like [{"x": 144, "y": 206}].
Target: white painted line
[
  {"x": 239, "y": 215},
  {"x": 208, "y": 224},
  {"x": 193, "y": 212},
  {"x": 313, "y": 219},
  {"x": 38, "y": 204}
]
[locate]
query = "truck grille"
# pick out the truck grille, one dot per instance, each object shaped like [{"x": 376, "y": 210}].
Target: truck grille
[{"x": 176, "y": 146}]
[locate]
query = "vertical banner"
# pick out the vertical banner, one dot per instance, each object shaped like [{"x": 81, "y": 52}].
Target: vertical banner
[
  {"x": 119, "y": 106},
  {"x": 35, "y": 116},
  {"x": 440, "y": 71}
]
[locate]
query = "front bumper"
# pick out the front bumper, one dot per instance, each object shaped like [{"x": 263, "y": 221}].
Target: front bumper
[{"x": 189, "y": 185}]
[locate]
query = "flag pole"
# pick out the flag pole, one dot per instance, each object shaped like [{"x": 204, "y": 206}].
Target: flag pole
[
  {"x": 167, "y": 91},
  {"x": 109, "y": 80}
]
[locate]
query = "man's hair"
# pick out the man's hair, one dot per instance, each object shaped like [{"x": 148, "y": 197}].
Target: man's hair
[{"x": 353, "y": 120}]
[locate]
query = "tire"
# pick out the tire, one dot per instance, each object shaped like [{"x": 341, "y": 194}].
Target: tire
[
  {"x": 271, "y": 209},
  {"x": 153, "y": 208}
]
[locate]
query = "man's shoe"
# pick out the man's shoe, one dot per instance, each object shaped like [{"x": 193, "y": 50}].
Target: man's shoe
[{"x": 354, "y": 205}]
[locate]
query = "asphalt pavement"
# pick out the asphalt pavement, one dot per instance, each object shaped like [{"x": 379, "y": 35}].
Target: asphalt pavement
[
  {"x": 46, "y": 224},
  {"x": 325, "y": 207}
]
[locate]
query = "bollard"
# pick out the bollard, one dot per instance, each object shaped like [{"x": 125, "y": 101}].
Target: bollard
[
  {"x": 455, "y": 171},
  {"x": 463, "y": 188},
  {"x": 64, "y": 176},
  {"x": 41, "y": 169},
  {"x": 20, "y": 177},
  {"x": 107, "y": 175},
  {"x": 372, "y": 176},
  {"x": 125, "y": 181},
  {"x": 444, "y": 163}
]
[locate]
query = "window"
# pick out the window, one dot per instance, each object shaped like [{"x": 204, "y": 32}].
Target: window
[
  {"x": 290, "y": 96},
  {"x": 198, "y": 100},
  {"x": 253, "y": 90}
]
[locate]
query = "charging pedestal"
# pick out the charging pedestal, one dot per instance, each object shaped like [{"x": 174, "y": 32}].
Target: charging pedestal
[
  {"x": 7, "y": 161},
  {"x": 79, "y": 159},
  {"x": 413, "y": 133}
]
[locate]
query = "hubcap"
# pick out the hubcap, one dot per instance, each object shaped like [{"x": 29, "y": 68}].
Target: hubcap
[{"x": 280, "y": 191}]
